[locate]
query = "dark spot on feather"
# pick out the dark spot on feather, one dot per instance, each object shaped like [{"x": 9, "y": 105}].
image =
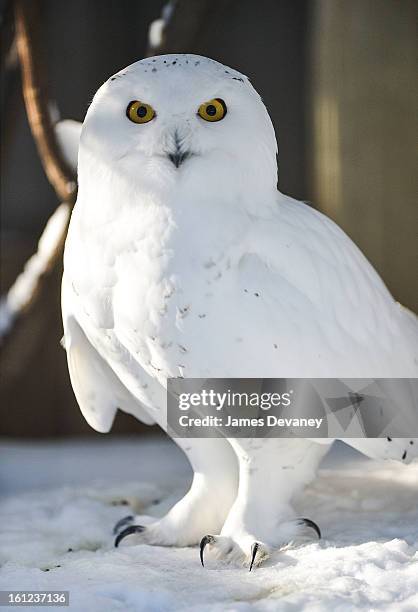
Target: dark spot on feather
[
  {"x": 155, "y": 367},
  {"x": 209, "y": 263},
  {"x": 256, "y": 294},
  {"x": 120, "y": 502},
  {"x": 238, "y": 79},
  {"x": 389, "y": 439},
  {"x": 184, "y": 311},
  {"x": 404, "y": 456}
]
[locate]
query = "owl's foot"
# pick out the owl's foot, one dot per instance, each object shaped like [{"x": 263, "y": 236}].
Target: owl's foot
[
  {"x": 244, "y": 550},
  {"x": 183, "y": 525},
  {"x": 156, "y": 532},
  {"x": 234, "y": 551},
  {"x": 125, "y": 527},
  {"x": 123, "y": 522}
]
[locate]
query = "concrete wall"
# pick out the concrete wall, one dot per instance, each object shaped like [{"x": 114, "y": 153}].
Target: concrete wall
[{"x": 363, "y": 120}]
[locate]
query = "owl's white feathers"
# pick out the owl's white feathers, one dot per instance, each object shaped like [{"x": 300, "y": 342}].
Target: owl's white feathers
[{"x": 206, "y": 270}]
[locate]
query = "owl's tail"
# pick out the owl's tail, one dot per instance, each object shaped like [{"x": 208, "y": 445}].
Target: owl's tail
[{"x": 400, "y": 449}]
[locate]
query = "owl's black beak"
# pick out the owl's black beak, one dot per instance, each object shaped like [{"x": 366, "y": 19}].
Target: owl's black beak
[{"x": 178, "y": 155}]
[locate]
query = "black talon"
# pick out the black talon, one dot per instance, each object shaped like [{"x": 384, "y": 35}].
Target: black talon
[
  {"x": 128, "y": 531},
  {"x": 126, "y": 520},
  {"x": 207, "y": 539},
  {"x": 254, "y": 549},
  {"x": 312, "y": 525}
]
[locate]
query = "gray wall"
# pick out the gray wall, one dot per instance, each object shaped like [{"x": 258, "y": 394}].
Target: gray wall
[{"x": 363, "y": 123}]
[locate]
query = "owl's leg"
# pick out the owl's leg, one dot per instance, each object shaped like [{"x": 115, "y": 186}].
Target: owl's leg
[
  {"x": 271, "y": 472},
  {"x": 204, "y": 507}
]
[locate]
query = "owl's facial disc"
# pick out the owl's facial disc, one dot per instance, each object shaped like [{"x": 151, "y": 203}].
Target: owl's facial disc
[{"x": 181, "y": 118}]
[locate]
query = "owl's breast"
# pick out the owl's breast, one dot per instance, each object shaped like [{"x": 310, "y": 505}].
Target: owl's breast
[
  {"x": 193, "y": 316},
  {"x": 169, "y": 310}
]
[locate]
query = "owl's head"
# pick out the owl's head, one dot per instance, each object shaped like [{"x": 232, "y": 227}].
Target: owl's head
[{"x": 179, "y": 118}]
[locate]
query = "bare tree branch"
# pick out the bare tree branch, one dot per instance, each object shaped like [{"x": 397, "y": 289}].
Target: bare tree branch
[{"x": 36, "y": 101}]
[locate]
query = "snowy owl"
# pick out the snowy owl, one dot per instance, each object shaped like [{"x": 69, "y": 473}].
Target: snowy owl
[{"x": 183, "y": 259}]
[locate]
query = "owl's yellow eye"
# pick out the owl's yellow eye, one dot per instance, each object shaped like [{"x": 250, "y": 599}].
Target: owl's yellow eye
[
  {"x": 214, "y": 110},
  {"x": 139, "y": 112}
]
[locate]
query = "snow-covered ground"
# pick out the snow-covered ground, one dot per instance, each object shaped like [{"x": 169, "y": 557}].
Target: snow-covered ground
[{"x": 58, "y": 509}]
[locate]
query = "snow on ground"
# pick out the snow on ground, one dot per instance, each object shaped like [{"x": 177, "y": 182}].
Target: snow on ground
[{"x": 60, "y": 496}]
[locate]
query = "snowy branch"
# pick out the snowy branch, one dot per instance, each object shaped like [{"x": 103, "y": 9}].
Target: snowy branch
[{"x": 25, "y": 288}]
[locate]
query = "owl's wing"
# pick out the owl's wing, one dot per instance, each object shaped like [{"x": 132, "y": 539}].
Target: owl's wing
[
  {"x": 322, "y": 271},
  {"x": 98, "y": 390},
  {"x": 322, "y": 277},
  {"x": 104, "y": 378}
]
